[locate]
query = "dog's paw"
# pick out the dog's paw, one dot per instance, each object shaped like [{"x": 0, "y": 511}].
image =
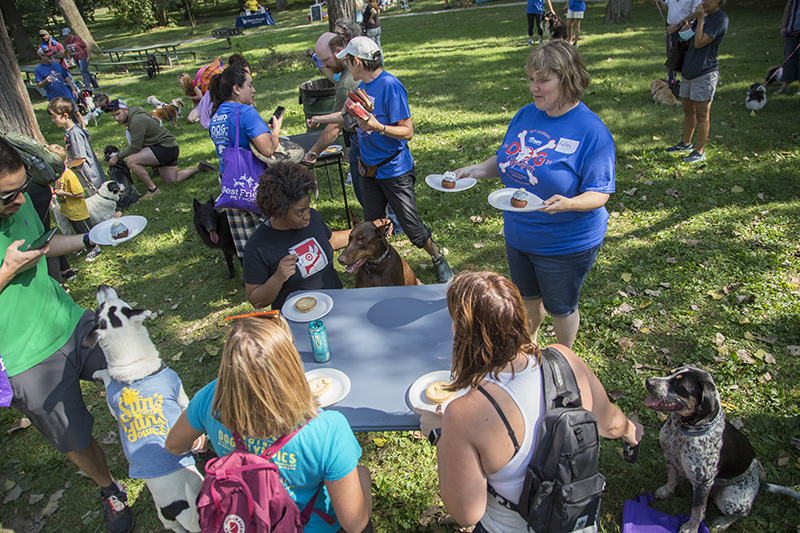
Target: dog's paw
[
  {"x": 663, "y": 492},
  {"x": 688, "y": 527}
]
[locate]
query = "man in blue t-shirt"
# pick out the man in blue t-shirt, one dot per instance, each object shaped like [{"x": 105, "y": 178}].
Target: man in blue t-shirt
[{"x": 54, "y": 79}]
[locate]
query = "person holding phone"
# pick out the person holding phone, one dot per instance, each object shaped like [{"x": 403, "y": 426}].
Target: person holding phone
[{"x": 41, "y": 340}]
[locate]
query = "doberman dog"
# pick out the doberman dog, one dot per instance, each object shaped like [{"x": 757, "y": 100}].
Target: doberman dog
[{"x": 377, "y": 262}]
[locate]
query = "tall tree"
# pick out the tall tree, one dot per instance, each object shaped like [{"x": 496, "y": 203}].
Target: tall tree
[
  {"x": 16, "y": 111},
  {"x": 76, "y": 23},
  {"x": 25, "y": 49},
  {"x": 618, "y": 11},
  {"x": 187, "y": 6},
  {"x": 338, "y": 9}
]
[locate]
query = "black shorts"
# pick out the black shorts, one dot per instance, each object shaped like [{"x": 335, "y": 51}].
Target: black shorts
[{"x": 167, "y": 157}]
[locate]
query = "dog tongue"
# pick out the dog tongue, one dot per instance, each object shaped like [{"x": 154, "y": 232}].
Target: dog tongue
[
  {"x": 214, "y": 236},
  {"x": 352, "y": 268}
]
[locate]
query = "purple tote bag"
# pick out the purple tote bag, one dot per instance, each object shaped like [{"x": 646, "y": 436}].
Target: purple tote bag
[
  {"x": 240, "y": 178},
  {"x": 639, "y": 517}
]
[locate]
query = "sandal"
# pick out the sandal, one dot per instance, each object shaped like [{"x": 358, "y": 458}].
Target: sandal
[{"x": 781, "y": 90}]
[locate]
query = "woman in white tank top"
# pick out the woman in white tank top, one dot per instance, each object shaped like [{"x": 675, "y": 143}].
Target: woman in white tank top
[{"x": 492, "y": 348}]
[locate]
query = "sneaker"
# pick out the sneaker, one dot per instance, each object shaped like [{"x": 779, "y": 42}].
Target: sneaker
[
  {"x": 530, "y": 42},
  {"x": 442, "y": 269},
  {"x": 119, "y": 518},
  {"x": 781, "y": 90},
  {"x": 91, "y": 256},
  {"x": 680, "y": 148},
  {"x": 69, "y": 275},
  {"x": 694, "y": 157},
  {"x": 205, "y": 166}
]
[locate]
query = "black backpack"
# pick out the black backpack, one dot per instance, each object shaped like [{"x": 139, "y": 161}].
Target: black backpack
[{"x": 562, "y": 486}]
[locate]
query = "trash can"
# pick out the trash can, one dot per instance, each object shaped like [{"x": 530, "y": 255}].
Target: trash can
[{"x": 317, "y": 97}]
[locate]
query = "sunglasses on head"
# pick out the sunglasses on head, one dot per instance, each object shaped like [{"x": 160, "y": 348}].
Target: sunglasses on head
[
  {"x": 258, "y": 314},
  {"x": 10, "y": 197}
]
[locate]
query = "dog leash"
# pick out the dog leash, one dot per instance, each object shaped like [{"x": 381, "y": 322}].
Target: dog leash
[
  {"x": 126, "y": 98},
  {"x": 662, "y": 14},
  {"x": 782, "y": 64}
]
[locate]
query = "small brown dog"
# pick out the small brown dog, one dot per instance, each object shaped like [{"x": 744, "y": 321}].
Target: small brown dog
[
  {"x": 377, "y": 262},
  {"x": 170, "y": 112},
  {"x": 662, "y": 94}
]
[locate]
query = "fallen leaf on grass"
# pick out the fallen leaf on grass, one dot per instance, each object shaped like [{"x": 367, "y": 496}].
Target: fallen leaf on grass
[
  {"x": 478, "y": 245},
  {"x": 177, "y": 356},
  {"x": 379, "y": 442},
  {"x": 19, "y": 423},
  {"x": 692, "y": 242},
  {"x": 737, "y": 189},
  {"x": 13, "y": 494},
  {"x": 626, "y": 277},
  {"x": 624, "y": 308},
  {"x": 35, "y": 498},
  {"x": 769, "y": 339},
  {"x": 744, "y": 357},
  {"x": 671, "y": 260},
  {"x": 673, "y": 192},
  {"x": 637, "y": 323},
  {"x": 744, "y": 299},
  {"x": 625, "y": 343},
  {"x": 212, "y": 350},
  {"x": 765, "y": 378},
  {"x": 653, "y": 293},
  {"x": 783, "y": 459},
  {"x": 431, "y": 514},
  {"x": 715, "y": 295},
  {"x": 665, "y": 284},
  {"x": 110, "y": 438},
  {"x": 50, "y": 508},
  {"x": 645, "y": 303},
  {"x": 631, "y": 192},
  {"x": 476, "y": 219},
  {"x": 616, "y": 394},
  {"x": 793, "y": 350},
  {"x": 719, "y": 339}
]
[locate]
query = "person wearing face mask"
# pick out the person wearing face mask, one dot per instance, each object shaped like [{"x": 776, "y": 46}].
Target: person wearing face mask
[
  {"x": 700, "y": 76},
  {"x": 677, "y": 12}
]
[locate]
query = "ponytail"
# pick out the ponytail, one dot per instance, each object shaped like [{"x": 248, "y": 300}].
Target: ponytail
[{"x": 221, "y": 86}]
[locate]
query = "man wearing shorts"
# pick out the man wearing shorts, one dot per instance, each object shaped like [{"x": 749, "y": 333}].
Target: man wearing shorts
[
  {"x": 41, "y": 330},
  {"x": 151, "y": 145},
  {"x": 575, "y": 10}
]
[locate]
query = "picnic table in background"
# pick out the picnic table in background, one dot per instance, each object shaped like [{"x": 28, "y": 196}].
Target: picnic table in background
[
  {"x": 255, "y": 19},
  {"x": 167, "y": 51},
  {"x": 30, "y": 80}
]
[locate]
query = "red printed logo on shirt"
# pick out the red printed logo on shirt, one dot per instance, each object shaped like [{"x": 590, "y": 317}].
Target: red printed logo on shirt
[{"x": 310, "y": 257}]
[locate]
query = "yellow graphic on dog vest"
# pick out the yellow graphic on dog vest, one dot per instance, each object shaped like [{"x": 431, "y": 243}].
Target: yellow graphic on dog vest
[{"x": 141, "y": 416}]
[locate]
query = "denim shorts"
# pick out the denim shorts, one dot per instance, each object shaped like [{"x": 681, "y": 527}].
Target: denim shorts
[
  {"x": 555, "y": 279},
  {"x": 701, "y": 88}
]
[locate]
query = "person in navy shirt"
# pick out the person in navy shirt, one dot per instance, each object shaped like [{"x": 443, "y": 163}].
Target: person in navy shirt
[{"x": 561, "y": 152}]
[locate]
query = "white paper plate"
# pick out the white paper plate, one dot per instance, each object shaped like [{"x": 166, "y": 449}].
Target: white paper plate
[
  {"x": 415, "y": 396},
  {"x": 502, "y": 200},
  {"x": 101, "y": 233},
  {"x": 435, "y": 182},
  {"x": 339, "y": 389},
  {"x": 332, "y": 149},
  {"x": 323, "y": 307}
]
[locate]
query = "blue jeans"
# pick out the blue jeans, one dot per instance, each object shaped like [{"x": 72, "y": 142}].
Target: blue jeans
[
  {"x": 88, "y": 79},
  {"x": 556, "y": 279}
]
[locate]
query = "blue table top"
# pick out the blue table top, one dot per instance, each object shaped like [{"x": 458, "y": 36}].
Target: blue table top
[{"x": 383, "y": 338}]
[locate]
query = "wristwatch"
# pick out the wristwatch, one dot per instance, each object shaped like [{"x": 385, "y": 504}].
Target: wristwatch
[
  {"x": 434, "y": 436},
  {"x": 86, "y": 242}
]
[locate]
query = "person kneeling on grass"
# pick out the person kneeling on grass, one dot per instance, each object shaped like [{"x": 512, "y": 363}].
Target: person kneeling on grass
[{"x": 151, "y": 145}]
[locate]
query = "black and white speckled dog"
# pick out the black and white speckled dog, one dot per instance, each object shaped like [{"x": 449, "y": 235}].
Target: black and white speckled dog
[{"x": 699, "y": 444}]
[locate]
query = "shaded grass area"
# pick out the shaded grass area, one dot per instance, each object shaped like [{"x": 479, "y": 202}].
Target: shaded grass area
[{"x": 697, "y": 238}]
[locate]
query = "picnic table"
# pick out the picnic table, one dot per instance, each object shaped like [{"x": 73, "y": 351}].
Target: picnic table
[
  {"x": 226, "y": 33},
  {"x": 168, "y": 51},
  {"x": 383, "y": 339},
  {"x": 255, "y": 19}
]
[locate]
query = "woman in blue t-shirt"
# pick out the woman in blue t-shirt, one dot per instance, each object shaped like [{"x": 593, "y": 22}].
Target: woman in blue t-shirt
[
  {"x": 561, "y": 152},
  {"x": 261, "y": 393},
  {"x": 575, "y": 11},
  {"x": 232, "y": 93},
  {"x": 534, "y": 12}
]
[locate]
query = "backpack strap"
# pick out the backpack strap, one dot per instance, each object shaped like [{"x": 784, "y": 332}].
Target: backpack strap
[
  {"x": 502, "y": 417},
  {"x": 560, "y": 374}
]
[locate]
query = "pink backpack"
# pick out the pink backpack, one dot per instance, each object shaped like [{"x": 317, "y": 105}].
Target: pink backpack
[{"x": 243, "y": 493}]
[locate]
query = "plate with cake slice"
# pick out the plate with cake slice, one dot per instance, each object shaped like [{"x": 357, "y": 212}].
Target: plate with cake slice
[
  {"x": 447, "y": 182},
  {"x": 114, "y": 231},
  {"x": 519, "y": 200},
  {"x": 328, "y": 385}
]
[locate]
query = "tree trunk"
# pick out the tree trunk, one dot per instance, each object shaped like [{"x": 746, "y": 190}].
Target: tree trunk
[
  {"x": 76, "y": 23},
  {"x": 618, "y": 11},
  {"x": 25, "y": 49},
  {"x": 16, "y": 111},
  {"x": 338, "y": 9},
  {"x": 187, "y": 5},
  {"x": 280, "y": 5}
]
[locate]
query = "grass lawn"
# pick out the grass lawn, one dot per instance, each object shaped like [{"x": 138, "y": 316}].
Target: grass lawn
[{"x": 700, "y": 264}]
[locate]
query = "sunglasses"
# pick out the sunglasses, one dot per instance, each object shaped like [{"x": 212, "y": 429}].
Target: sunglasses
[{"x": 10, "y": 197}]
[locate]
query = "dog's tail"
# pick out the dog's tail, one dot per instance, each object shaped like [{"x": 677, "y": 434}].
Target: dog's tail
[{"x": 780, "y": 489}]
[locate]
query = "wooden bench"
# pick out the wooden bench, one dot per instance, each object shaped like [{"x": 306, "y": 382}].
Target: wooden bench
[
  {"x": 226, "y": 33},
  {"x": 174, "y": 57},
  {"x": 121, "y": 64}
]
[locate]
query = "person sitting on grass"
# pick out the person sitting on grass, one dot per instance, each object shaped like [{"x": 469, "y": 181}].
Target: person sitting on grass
[
  {"x": 71, "y": 199},
  {"x": 151, "y": 145}
]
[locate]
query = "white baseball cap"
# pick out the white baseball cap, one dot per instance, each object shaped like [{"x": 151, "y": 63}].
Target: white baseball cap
[
  {"x": 361, "y": 47},
  {"x": 65, "y": 32}
]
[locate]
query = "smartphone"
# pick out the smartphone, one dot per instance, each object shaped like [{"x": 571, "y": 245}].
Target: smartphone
[
  {"x": 277, "y": 114},
  {"x": 41, "y": 241}
]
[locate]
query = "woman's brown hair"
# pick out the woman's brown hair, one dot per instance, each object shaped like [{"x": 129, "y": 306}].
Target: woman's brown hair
[
  {"x": 490, "y": 326},
  {"x": 261, "y": 388},
  {"x": 561, "y": 59}
]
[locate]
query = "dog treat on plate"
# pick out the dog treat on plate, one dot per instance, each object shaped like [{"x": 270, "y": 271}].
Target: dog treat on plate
[
  {"x": 520, "y": 198},
  {"x": 118, "y": 230},
  {"x": 449, "y": 180},
  {"x": 320, "y": 386},
  {"x": 305, "y": 304},
  {"x": 436, "y": 393}
]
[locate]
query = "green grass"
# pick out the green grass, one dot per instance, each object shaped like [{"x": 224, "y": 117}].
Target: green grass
[{"x": 702, "y": 236}]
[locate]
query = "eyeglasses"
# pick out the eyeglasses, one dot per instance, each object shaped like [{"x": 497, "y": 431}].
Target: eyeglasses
[{"x": 10, "y": 197}]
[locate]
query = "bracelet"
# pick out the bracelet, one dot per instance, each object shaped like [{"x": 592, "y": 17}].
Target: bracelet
[
  {"x": 86, "y": 242},
  {"x": 384, "y": 130},
  {"x": 434, "y": 436}
]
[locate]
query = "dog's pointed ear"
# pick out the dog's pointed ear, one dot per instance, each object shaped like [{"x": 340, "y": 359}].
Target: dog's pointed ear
[
  {"x": 354, "y": 217},
  {"x": 383, "y": 230},
  {"x": 196, "y": 203},
  {"x": 136, "y": 315},
  {"x": 211, "y": 199},
  {"x": 91, "y": 338}
]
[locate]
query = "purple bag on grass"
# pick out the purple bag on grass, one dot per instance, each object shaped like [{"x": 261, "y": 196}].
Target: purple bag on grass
[
  {"x": 240, "y": 178},
  {"x": 639, "y": 517},
  {"x": 6, "y": 394}
]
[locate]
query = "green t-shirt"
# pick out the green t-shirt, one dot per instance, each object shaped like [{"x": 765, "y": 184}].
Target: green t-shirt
[{"x": 36, "y": 316}]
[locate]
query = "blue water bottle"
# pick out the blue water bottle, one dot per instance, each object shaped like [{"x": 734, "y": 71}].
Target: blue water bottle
[{"x": 319, "y": 341}]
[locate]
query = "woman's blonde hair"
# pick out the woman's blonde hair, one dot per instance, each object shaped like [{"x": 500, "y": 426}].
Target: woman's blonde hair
[
  {"x": 261, "y": 389},
  {"x": 490, "y": 326},
  {"x": 562, "y": 59},
  {"x": 186, "y": 84}
]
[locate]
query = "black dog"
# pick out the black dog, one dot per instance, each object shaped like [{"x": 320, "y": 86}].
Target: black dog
[
  {"x": 213, "y": 228},
  {"x": 699, "y": 444},
  {"x": 152, "y": 66},
  {"x": 122, "y": 175}
]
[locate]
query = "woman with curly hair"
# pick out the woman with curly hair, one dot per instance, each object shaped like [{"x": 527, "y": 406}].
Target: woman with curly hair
[
  {"x": 293, "y": 249},
  {"x": 261, "y": 394}
]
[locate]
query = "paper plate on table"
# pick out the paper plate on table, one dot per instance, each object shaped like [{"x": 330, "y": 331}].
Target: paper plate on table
[
  {"x": 416, "y": 398},
  {"x": 101, "y": 233},
  {"x": 434, "y": 181},
  {"x": 323, "y": 307},
  {"x": 339, "y": 388},
  {"x": 332, "y": 149},
  {"x": 502, "y": 200}
]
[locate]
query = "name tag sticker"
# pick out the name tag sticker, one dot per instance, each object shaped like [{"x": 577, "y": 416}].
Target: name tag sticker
[{"x": 567, "y": 146}]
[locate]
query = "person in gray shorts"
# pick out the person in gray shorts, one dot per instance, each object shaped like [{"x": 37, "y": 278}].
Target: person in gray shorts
[
  {"x": 700, "y": 75},
  {"x": 41, "y": 329}
]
